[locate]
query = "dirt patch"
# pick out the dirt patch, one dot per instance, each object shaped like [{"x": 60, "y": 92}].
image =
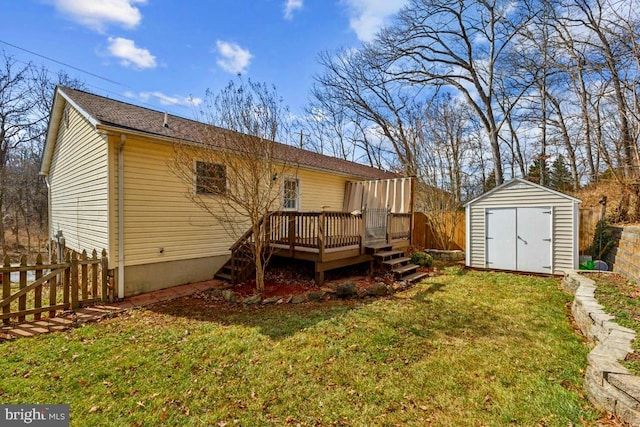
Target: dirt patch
[{"x": 272, "y": 288}]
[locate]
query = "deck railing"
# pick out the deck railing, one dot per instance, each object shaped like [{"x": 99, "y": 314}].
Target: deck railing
[
  {"x": 398, "y": 226},
  {"x": 329, "y": 230},
  {"x": 317, "y": 230}
]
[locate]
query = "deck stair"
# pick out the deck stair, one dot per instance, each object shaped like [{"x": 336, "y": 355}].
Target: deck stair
[
  {"x": 239, "y": 267},
  {"x": 396, "y": 262}
]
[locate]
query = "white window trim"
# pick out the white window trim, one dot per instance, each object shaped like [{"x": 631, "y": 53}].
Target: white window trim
[{"x": 298, "y": 195}]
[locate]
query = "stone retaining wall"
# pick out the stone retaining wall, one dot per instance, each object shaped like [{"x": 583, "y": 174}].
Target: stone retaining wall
[
  {"x": 608, "y": 384},
  {"x": 625, "y": 257},
  {"x": 443, "y": 255}
]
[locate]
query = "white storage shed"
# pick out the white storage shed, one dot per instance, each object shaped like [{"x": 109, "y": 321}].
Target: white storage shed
[{"x": 523, "y": 226}]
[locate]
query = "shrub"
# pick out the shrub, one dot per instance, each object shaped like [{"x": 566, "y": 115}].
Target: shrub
[
  {"x": 603, "y": 240},
  {"x": 422, "y": 259}
]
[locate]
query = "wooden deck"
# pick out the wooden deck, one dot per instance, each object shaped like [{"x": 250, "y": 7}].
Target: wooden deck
[
  {"x": 332, "y": 239},
  {"x": 328, "y": 239}
]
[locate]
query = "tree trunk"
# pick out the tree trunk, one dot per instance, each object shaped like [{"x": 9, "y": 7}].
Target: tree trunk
[{"x": 497, "y": 158}]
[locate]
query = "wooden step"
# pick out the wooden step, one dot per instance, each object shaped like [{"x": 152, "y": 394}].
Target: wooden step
[
  {"x": 377, "y": 247},
  {"x": 415, "y": 276},
  {"x": 405, "y": 269},
  {"x": 223, "y": 276},
  {"x": 382, "y": 256},
  {"x": 395, "y": 261}
]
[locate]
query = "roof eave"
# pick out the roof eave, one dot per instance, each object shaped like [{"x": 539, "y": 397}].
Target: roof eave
[
  {"x": 504, "y": 184},
  {"x": 112, "y": 128},
  {"x": 57, "y": 110}
]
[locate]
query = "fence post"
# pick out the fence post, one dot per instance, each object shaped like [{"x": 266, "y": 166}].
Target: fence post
[
  {"x": 53, "y": 285},
  {"x": 74, "y": 281},
  {"x": 38, "y": 290},
  {"x": 104, "y": 263},
  {"x": 94, "y": 274},
  {"x": 22, "y": 302},
  {"x": 66, "y": 278},
  {"x": 6, "y": 289},
  {"x": 84, "y": 268}
]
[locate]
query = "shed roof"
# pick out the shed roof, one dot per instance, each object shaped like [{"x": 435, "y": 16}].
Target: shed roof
[
  {"x": 524, "y": 182},
  {"x": 105, "y": 112}
]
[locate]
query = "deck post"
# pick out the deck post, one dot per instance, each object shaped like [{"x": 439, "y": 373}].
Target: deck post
[
  {"x": 321, "y": 233},
  {"x": 361, "y": 232},
  {"x": 292, "y": 233},
  {"x": 389, "y": 219},
  {"x": 267, "y": 229},
  {"x": 412, "y": 201}
]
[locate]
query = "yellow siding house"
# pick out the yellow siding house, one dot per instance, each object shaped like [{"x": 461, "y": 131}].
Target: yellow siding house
[{"x": 106, "y": 167}]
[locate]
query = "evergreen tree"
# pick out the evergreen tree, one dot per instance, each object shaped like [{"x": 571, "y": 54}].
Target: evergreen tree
[
  {"x": 560, "y": 176},
  {"x": 490, "y": 182},
  {"x": 534, "y": 171}
]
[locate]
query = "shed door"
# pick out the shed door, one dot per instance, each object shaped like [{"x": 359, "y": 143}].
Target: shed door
[
  {"x": 501, "y": 238},
  {"x": 534, "y": 239},
  {"x": 519, "y": 239}
]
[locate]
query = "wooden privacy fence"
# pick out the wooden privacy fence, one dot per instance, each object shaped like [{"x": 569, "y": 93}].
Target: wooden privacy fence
[
  {"x": 589, "y": 218},
  {"x": 79, "y": 280},
  {"x": 423, "y": 233}
]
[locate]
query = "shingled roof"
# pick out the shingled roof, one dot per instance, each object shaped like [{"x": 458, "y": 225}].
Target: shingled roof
[{"x": 129, "y": 117}]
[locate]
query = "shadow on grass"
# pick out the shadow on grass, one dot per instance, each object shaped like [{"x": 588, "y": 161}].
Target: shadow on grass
[
  {"x": 421, "y": 296},
  {"x": 275, "y": 321},
  {"x": 282, "y": 321}
]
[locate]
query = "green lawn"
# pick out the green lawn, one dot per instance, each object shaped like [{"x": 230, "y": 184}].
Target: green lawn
[
  {"x": 475, "y": 349},
  {"x": 620, "y": 298}
]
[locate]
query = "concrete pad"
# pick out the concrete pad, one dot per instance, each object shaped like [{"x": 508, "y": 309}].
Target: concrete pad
[{"x": 144, "y": 300}]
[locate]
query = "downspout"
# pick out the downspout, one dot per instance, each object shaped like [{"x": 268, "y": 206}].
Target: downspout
[
  {"x": 123, "y": 139},
  {"x": 49, "y": 221}
]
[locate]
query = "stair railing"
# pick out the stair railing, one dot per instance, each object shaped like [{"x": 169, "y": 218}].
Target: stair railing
[{"x": 242, "y": 254}]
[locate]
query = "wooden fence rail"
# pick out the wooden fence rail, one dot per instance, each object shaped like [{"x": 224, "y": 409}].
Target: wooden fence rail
[{"x": 79, "y": 280}]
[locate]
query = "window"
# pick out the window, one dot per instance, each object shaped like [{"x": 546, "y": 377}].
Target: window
[
  {"x": 211, "y": 178},
  {"x": 290, "y": 194}
]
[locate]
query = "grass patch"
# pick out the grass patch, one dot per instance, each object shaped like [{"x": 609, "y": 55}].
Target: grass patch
[
  {"x": 460, "y": 349},
  {"x": 620, "y": 298}
]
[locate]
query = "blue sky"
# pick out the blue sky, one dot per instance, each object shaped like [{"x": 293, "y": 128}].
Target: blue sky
[{"x": 159, "y": 53}]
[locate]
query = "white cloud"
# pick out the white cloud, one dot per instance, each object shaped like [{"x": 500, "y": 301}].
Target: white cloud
[
  {"x": 233, "y": 58},
  {"x": 171, "y": 100},
  {"x": 369, "y": 16},
  {"x": 130, "y": 54},
  {"x": 290, "y": 7},
  {"x": 97, "y": 14}
]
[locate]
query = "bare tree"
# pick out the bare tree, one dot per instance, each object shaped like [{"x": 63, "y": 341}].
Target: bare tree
[
  {"x": 459, "y": 44},
  {"x": 444, "y": 148},
  {"x": 239, "y": 166},
  {"x": 608, "y": 38},
  {"x": 20, "y": 123},
  {"x": 355, "y": 80}
]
